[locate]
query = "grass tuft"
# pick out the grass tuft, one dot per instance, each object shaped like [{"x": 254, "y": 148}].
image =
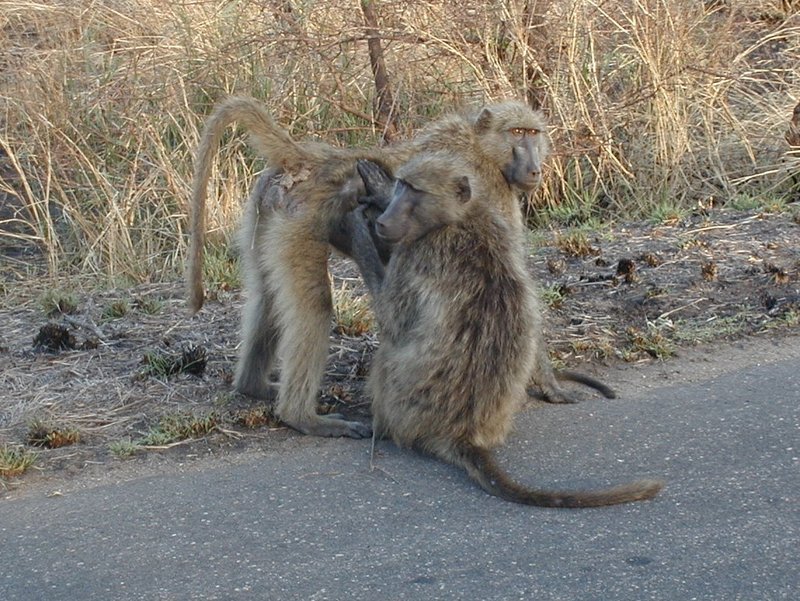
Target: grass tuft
[
  {"x": 15, "y": 461},
  {"x": 191, "y": 359},
  {"x": 651, "y": 342},
  {"x": 576, "y": 243},
  {"x": 41, "y": 434},
  {"x": 256, "y": 417},
  {"x": 58, "y": 302},
  {"x": 117, "y": 309},
  {"x": 123, "y": 448},
  {"x": 554, "y": 295},
  {"x": 177, "y": 427}
]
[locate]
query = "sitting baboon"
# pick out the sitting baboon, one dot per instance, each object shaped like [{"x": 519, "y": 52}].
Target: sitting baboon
[
  {"x": 295, "y": 213},
  {"x": 459, "y": 324}
]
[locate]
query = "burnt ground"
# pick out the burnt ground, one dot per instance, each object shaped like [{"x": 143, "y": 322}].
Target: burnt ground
[{"x": 630, "y": 294}]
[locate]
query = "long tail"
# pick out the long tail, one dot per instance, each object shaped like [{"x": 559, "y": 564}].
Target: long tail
[
  {"x": 269, "y": 140},
  {"x": 574, "y": 376},
  {"x": 482, "y": 468}
]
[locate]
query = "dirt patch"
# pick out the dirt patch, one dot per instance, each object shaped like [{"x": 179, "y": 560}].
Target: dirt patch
[{"x": 641, "y": 295}]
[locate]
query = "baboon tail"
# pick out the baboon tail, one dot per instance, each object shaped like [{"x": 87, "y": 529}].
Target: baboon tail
[
  {"x": 574, "y": 376},
  {"x": 482, "y": 468},
  {"x": 269, "y": 139}
]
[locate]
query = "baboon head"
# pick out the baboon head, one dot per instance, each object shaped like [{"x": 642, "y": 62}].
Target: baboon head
[
  {"x": 517, "y": 135},
  {"x": 429, "y": 192}
]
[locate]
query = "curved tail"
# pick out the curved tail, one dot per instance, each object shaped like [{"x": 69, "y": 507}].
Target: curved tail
[
  {"x": 268, "y": 139},
  {"x": 574, "y": 376},
  {"x": 482, "y": 468}
]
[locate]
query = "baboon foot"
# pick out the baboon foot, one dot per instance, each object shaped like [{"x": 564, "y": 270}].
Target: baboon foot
[
  {"x": 257, "y": 390},
  {"x": 554, "y": 395},
  {"x": 330, "y": 426}
]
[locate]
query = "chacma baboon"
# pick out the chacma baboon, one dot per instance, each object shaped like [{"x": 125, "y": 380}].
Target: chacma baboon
[
  {"x": 295, "y": 213},
  {"x": 458, "y": 319}
]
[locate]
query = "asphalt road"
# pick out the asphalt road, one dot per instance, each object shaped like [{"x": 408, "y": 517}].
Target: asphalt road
[{"x": 309, "y": 519}]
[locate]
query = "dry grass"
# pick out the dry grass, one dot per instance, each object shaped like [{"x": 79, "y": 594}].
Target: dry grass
[
  {"x": 653, "y": 103},
  {"x": 352, "y": 313}
]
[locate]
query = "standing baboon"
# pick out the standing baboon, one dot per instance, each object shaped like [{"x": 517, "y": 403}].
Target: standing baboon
[
  {"x": 295, "y": 212},
  {"x": 458, "y": 320}
]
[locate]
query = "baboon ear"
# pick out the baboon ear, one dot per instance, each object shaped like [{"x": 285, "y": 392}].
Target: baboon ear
[
  {"x": 484, "y": 121},
  {"x": 463, "y": 190}
]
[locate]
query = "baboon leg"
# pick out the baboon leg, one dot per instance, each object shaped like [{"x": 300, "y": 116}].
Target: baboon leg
[
  {"x": 259, "y": 342},
  {"x": 304, "y": 306},
  {"x": 543, "y": 377},
  {"x": 260, "y": 333}
]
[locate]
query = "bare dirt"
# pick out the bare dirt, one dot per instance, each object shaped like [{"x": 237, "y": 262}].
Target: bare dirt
[{"x": 639, "y": 297}]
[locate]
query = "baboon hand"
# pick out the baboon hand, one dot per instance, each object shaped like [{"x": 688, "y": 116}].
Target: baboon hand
[{"x": 378, "y": 183}]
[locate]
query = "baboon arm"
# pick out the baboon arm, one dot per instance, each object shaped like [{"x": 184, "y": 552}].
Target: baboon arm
[{"x": 364, "y": 252}]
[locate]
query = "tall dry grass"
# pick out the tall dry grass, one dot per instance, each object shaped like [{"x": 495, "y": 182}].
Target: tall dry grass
[{"x": 652, "y": 102}]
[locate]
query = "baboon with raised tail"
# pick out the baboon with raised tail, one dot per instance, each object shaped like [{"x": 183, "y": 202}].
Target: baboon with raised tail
[
  {"x": 458, "y": 321},
  {"x": 296, "y": 212}
]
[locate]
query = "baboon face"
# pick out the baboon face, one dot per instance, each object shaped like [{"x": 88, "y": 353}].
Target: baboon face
[
  {"x": 524, "y": 171},
  {"x": 516, "y": 135},
  {"x": 425, "y": 197}
]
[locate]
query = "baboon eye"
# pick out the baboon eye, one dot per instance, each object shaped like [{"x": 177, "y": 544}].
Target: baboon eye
[
  {"x": 517, "y": 132},
  {"x": 404, "y": 186}
]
